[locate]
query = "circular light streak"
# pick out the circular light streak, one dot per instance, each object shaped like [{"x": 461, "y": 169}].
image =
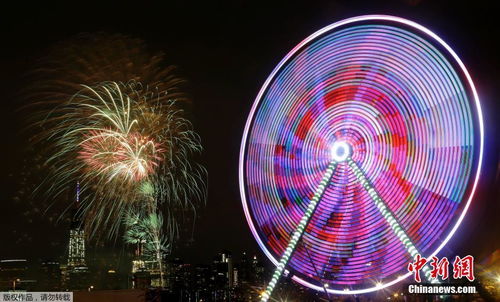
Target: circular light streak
[{"x": 398, "y": 99}]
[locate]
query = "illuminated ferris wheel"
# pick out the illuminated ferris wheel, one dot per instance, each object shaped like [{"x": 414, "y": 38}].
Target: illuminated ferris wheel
[{"x": 362, "y": 149}]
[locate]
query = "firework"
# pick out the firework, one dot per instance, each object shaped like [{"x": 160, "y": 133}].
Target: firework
[
  {"x": 130, "y": 147},
  {"x": 145, "y": 231},
  {"x": 93, "y": 58}
]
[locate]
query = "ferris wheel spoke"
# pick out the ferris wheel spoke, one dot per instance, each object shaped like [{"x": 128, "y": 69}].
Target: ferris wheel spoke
[
  {"x": 316, "y": 270},
  {"x": 299, "y": 230},
  {"x": 388, "y": 215}
]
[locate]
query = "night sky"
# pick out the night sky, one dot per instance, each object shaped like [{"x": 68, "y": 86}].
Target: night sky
[{"x": 226, "y": 51}]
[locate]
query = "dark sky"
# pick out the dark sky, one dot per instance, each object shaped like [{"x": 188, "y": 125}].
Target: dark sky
[{"x": 226, "y": 50}]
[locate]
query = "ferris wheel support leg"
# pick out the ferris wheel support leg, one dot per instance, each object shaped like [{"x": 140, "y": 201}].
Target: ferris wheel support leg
[
  {"x": 297, "y": 234},
  {"x": 389, "y": 217}
]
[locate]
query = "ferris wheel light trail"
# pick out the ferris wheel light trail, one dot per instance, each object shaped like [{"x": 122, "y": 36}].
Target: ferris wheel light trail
[
  {"x": 341, "y": 152},
  {"x": 299, "y": 230},
  {"x": 394, "y": 107},
  {"x": 389, "y": 217}
]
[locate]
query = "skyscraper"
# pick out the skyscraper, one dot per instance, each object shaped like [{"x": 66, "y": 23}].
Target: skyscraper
[
  {"x": 50, "y": 276},
  {"x": 76, "y": 254},
  {"x": 75, "y": 275}
]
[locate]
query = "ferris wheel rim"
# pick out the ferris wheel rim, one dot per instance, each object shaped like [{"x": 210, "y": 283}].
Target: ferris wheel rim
[{"x": 478, "y": 114}]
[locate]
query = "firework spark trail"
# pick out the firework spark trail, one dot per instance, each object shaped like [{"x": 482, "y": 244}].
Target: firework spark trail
[
  {"x": 93, "y": 58},
  {"x": 122, "y": 141},
  {"x": 146, "y": 232},
  {"x": 130, "y": 145}
]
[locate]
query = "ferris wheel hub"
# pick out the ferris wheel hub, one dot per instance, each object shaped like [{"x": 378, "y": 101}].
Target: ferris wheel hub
[{"x": 340, "y": 151}]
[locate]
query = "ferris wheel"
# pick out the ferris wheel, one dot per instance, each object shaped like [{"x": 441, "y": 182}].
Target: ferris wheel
[{"x": 362, "y": 149}]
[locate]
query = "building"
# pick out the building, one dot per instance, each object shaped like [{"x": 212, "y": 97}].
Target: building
[
  {"x": 12, "y": 274},
  {"x": 201, "y": 281},
  {"x": 76, "y": 273},
  {"x": 50, "y": 276},
  {"x": 146, "y": 270},
  {"x": 249, "y": 279},
  {"x": 76, "y": 249},
  {"x": 147, "y": 273}
]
